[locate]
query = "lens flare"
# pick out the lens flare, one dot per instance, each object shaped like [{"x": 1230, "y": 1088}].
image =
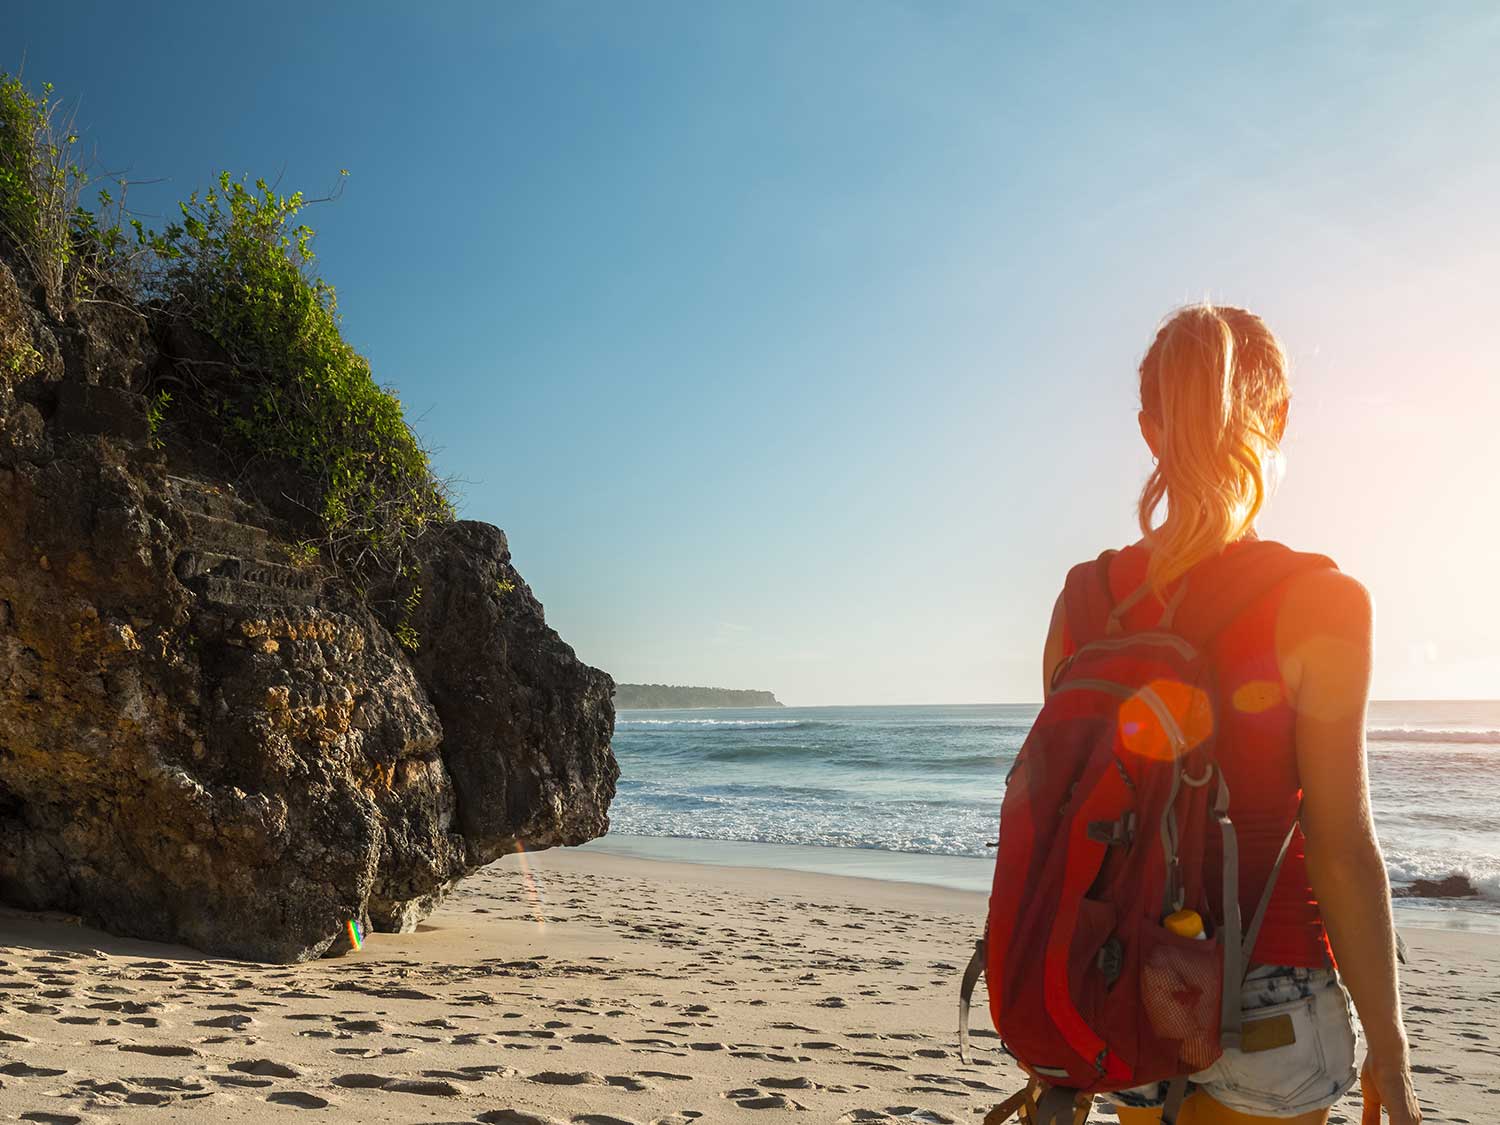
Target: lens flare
[
  {"x": 1165, "y": 718},
  {"x": 1254, "y": 696},
  {"x": 533, "y": 890}
]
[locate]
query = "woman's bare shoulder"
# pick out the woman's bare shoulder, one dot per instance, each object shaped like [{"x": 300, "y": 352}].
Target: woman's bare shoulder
[
  {"x": 1325, "y": 599},
  {"x": 1323, "y": 637}
]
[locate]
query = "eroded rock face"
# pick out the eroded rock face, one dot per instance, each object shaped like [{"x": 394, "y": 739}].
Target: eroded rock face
[
  {"x": 498, "y": 676},
  {"x": 204, "y": 740}
]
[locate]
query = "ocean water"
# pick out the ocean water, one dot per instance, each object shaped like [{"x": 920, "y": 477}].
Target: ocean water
[{"x": 899, "y": 789}]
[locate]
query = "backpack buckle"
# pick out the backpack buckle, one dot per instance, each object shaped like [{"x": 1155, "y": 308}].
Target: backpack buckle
[{"x": 1114, "y": 833}]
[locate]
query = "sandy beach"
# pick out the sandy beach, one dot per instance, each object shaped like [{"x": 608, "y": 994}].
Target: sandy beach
[{"x": 597, "y": 989}]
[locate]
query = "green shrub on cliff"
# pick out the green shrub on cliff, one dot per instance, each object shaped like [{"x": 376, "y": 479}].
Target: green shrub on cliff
[
  {"x": 238, "y": 267},
  {"x": 287, "y": 391},
  {"x": 72, "y": 251},
  {"x": 20, "y": 117},
  {"x": 39, "y": 181}
]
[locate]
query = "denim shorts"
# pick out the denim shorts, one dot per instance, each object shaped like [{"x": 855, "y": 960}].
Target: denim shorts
[{"x": 1311, "y": 1072}]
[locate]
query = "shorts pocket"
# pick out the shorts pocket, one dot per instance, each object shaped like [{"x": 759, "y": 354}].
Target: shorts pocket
[
  {"x": 1280, "y": 1077},
  {"x": 1340, "y": 1038}
]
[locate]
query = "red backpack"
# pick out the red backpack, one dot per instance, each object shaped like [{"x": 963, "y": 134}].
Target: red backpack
[{"x": 1102, "y": 833}]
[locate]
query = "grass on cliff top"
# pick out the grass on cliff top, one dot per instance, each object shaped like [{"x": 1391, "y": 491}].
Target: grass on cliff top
[
  {"x": 237, "y": 267},
  {"x": 39, "y": 181}
]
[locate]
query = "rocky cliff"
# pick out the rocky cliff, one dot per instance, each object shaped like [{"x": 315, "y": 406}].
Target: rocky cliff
[{"x": 205, "y": 736}]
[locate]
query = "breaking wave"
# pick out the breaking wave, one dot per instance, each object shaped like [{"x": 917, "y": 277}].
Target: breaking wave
[{"x": 1422, "y": 734}]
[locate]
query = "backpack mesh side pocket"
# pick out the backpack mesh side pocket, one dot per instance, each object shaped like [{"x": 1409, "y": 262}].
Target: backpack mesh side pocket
[{"x": 1181, "y": 982}]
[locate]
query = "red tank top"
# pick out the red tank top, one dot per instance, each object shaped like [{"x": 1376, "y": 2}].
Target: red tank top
[{"x": 1257, "y": 752}]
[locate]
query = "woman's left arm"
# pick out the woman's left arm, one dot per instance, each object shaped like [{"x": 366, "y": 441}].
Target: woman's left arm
[{"x": 1324, "y": 641}]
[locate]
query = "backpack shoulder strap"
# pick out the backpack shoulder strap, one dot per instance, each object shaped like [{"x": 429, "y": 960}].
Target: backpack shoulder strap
[
  {"x": 1087, "y": 601},
  {"x": 1226, "y": 586}
]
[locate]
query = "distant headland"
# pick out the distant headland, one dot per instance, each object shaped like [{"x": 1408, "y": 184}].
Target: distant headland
[{"x": 649, "y": 696}]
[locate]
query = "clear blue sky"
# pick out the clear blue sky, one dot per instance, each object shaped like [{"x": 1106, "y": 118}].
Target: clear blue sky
[{"x": 793, "y": 343}]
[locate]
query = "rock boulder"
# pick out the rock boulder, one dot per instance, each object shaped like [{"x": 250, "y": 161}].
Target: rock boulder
[{"x": 203, "y": 736}]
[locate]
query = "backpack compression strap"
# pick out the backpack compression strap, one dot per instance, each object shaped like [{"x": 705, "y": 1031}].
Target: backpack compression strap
[
  {"x": 1087, "y": 601},
  {"x": 966, "y": 994}
]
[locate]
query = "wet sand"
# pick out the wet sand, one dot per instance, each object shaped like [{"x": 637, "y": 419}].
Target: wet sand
[{"x": 600, "y": 989}]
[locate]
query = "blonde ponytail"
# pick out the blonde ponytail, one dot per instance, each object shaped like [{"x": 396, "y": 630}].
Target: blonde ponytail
[{"x": 1214, "y": 381}]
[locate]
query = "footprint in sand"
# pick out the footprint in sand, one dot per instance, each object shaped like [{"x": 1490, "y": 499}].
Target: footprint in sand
[
  {"x": 769, "y": 1101},
  {"x": 302, "y": 1099},
  {"x": 235, "y": 1022},
  {"x": 25, "y": 1070},
  {"x": 146, "y": 1097},
  {"x": 175, "y": 1085},
  {"x": 488, "y": 1070},
  {"x": 361, "y": 1081},
  {"x": 568, "y": 1078},
  {"x": 361, "y": 1027},
  {"x": 469, "y": 1074},
  {"x": 625, "y": 1082},
  {"x": 515, "y": 1117},
  {"x": 266, "y": 1068},
  {"x": 426, "y": 1087},
  {"x": 800, "y": 1082}
]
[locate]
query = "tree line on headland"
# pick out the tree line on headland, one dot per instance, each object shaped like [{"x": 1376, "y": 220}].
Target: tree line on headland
[{"x": 649, "y": 696}]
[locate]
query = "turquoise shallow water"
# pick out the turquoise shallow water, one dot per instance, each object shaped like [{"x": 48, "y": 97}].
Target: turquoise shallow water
[{"x": 913, "y": 793}]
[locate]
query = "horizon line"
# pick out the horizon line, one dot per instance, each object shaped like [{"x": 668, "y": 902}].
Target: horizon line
[{"x": 983, "y": 703}]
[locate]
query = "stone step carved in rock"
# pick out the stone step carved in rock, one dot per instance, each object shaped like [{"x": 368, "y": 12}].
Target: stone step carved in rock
[
  {"x": 209, "y": 499},
  {"x": 229, "y": 537},
  {"x": 245, "y": 581},
  {"x": 233, "y": 557},
  {"x": 241, "y": 591}
]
